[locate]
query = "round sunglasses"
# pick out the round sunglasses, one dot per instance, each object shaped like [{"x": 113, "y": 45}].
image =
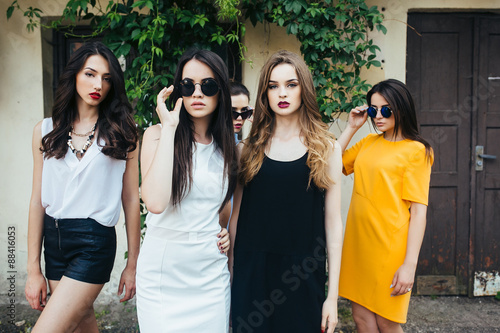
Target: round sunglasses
[
  {"x": 385, "y": 111},
  {"x": 245, "y": 113},
  {"x": 209, "y": 87}
]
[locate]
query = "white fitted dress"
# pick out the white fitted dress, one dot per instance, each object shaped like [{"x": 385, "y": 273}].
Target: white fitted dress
[{"x": 182, "y": 278}]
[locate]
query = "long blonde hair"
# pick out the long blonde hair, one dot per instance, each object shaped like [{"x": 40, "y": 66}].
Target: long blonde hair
[{"x": 317, "y": 139}]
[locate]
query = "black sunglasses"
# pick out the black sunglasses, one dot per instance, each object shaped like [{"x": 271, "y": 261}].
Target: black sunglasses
[
  {"x": 385, "y": 111},
  {"x": 245, "y": 113},
  {"x": 209, "y": 87}
]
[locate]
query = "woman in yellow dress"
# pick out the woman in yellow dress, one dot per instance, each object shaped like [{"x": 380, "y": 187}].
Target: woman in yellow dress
[{"x": 387, "y": 216}]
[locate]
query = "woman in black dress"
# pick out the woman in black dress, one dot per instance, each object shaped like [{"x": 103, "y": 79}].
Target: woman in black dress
[{"x": 286, "y": 209}]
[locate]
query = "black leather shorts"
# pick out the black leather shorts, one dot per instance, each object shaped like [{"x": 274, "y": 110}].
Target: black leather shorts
[{"x": 81, "y": 249}]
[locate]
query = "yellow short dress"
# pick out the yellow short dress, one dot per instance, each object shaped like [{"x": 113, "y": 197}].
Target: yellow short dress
[{"x": 388, "y": 176}]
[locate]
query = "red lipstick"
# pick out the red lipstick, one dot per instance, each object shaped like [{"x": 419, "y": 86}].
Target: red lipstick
[
  {"x": 283, "y": 105},
  {"x": 95, "y": 95}
]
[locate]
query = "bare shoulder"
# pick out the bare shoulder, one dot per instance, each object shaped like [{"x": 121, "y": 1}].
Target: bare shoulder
[
  {"x": 335, "y": 152},
  {"x": 336, "y": 145},
  {"x": 335, "y": 161},
  {"x": 152, "y": 133},
  {"x": 37, "y": 132},
  {"x": 38, "y": 127},
  {"x": 334, "y": 148}
]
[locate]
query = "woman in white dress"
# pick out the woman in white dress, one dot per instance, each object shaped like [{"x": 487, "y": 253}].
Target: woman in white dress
[{"x": 188, "y": 177}]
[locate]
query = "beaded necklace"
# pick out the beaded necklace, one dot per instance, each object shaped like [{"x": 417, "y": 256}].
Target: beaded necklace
[{"x": 87, "y": 144}]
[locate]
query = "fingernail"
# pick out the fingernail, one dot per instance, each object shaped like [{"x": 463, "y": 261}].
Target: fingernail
[{"x": 390, "y": 286}]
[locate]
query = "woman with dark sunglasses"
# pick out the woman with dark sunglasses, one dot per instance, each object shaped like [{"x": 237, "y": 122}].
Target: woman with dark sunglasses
[
  {"x": 241, "y": 111},
  {"x": 387, "y": 216},
  {"x": 187, "y": 164}
]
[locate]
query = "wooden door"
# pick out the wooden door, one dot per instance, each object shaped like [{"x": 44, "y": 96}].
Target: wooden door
[
  {"x": 440, "y": 77},
  {"x": 486, "y": 229},
  {"x": 452, "y": 71}
]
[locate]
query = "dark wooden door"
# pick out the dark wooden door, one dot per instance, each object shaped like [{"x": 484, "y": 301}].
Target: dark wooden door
[
  {"x": 486, "y": 229},
  {"x": 453, "y": 71},
  {"x": 440, "y": 77}
]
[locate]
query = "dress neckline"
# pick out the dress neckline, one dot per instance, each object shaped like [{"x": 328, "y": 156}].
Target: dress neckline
[
  {"x": 291, "y": 161},
  {"x": 205, "y": 144},
  {"x": 390, "y": 141}
]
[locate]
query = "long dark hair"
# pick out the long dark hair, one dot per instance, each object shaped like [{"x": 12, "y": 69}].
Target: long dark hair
[
  {"x": 221, "y": 128},
  {"x": 403, "y": 108},
  {"x": 115, "y": 124}
]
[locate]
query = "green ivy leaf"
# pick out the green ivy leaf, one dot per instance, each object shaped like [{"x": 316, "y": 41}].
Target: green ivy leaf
[
  {"x": 381, "y": 28},
  {"x": 150, "y": 5},
  {"x": 292, "y": 28},
  {"x": 10, "y": 10},
  {"x": 124, "y": 49}
]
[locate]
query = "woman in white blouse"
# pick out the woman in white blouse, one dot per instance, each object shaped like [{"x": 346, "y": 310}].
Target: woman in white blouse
[{"x": 85, "y": 170}]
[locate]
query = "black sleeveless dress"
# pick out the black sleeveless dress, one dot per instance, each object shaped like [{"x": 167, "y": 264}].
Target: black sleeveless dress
[{"x": 279, "y": 256}]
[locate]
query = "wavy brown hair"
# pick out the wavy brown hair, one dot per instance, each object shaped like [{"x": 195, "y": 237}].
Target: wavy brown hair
[
  {"x": 317, "y": 139},
  {"x": 115, "y": 123}
]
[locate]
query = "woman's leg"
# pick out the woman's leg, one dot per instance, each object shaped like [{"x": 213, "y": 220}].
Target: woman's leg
[
  {"x": 387, "y": 326},
  {"x": 88, "y": 323},
  {"x": 70, "y": 306},
  {"x": 366, "y": 321}
]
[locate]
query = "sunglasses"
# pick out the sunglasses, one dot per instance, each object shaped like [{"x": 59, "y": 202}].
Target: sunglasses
[
  {"x": 209, "y": 87},
  {"x": 245, "y": 113},
  {"x": 385, "y": 111}
]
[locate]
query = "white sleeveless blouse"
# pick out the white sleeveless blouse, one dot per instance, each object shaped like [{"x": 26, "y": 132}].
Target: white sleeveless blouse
[
  {"x": 86, "y": 188},
  {"x": 198, "y": 211}
]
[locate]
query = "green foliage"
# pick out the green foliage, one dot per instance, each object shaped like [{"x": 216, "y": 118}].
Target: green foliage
[
  {"x": 497, "y": 296},
  {"x": 334, "y": 42},
  {"x": 228, "y": 9},
  {"x": 33, "y": 15},
  {"x": 152, "y": 35}
]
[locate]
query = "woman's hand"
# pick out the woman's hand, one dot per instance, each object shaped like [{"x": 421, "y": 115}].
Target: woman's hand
[
  {"x": 329, "y": 317},
  {"x": 167, "y": 118},
  {"x": 36, "y": 291},
  {"x": 358, "y": 116},
  {"x": 403, "y": 280},
  {"x": 127, "y": 282},
  {"x": 223, "y": 242}
]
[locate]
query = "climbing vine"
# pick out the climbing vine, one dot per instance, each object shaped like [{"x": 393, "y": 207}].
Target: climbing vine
[
  {"x": 334, "y": 37},
  {"x": 153, "y": 34},
  {"x": 334, "y": 43}
]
